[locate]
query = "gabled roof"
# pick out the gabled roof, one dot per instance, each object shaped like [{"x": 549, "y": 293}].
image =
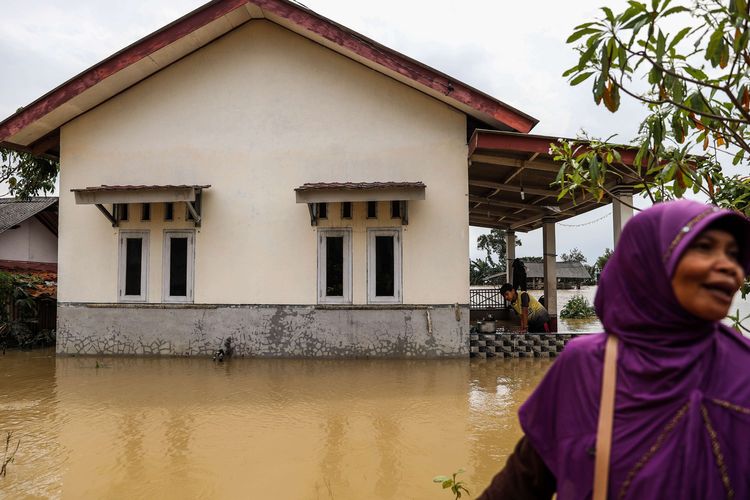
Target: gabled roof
[
  {"x": 36, "y": 126},
  {"x": 565, "y": 270},
  {"x": 14, "y": 212}
]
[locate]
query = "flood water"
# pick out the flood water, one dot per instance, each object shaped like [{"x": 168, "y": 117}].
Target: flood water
[{"x": 256, "y": 428}]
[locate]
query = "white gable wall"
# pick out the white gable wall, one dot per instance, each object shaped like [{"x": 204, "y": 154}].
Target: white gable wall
[
  {"x": 30, "y": 242},
  {"x": 256, "y": 114}
]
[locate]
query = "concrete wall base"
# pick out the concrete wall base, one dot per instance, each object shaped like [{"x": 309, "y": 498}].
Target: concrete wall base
[
  {"x": 518, "y": 345},
  {"x": 264, "y": 330}
]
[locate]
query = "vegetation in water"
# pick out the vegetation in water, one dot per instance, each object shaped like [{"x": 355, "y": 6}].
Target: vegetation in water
[
  {"x": 458, "y": 488},
  {"x": 578, "y": 307},
  {"x": 8, "y": 455},
  {"x": 20, "y": 329},
  {"x": 737, "y": 322}
]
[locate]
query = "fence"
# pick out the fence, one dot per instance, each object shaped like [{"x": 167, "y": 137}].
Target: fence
[{"x": 486, "y": 298}]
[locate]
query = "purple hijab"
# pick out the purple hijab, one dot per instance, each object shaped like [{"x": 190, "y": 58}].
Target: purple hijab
[{"x": 682, "y": 404}]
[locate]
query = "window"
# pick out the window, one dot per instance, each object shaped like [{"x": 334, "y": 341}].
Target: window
[
  {"x": 372, "y": 209},
  {"x": 346, "y": 210},
  {"x": 322, "y": 210},
  {"x": 145, "y": 211},
  {"x": 395, "y": 210},
  {"x": 169, "y": 211},
  {"x": 121, "y": 211},
  {"x": 334, "y": 266},
  {"x": 178, "y": 266},
  {"x": 133, "y": 266},
  {"x": 384, "y": 266}
]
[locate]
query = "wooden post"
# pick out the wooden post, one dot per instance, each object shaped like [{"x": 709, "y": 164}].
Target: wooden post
[
  {"x": 621, "y": 212},
  {"x": 550, "y": 267},
  {"x": 510, "y": 254}
]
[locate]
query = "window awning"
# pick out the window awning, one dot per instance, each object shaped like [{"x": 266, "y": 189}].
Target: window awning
[
  {"x": 100, "y": 195},
  {"x": 326, "y": 192}
]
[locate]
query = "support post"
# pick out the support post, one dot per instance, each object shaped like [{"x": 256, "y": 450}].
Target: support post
[
  {"x": 621, "y": 212},
  {"x": 313, "y": 208},
  {"x": 109, "y": 216},
  {"x": 510, "y": 254},
  {"x": 550, "y": 268}
]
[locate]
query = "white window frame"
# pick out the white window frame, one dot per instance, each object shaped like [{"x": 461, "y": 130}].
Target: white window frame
[
  {"x": 166, "y": 254},
  {"x": 397, "y": 296},
  {"x": 122, "y": 256},
  {"x": 346, "y": 233}
]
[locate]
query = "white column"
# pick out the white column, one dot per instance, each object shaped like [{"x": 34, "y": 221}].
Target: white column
[
  {"x": 510, "y": 254},
  {"x": 622, "y": 201},
  {"x": 550, "y": 266}
]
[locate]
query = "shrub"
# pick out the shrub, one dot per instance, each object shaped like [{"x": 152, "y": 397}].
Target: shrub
[{"x": 578, "y": 307}]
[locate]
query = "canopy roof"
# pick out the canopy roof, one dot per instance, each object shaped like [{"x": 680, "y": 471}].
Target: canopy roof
[
  {"x": 36, "y": 127},
  {"x": 100, "y": 195},
  {"x": 509, "y": 182},
  {"x": 324, "y": 192}
]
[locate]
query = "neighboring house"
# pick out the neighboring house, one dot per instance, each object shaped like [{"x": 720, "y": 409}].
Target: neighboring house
[
  {"x": 28, "y": 234},
  {"x": 569, "y": 274},
  {"x": 257, "y": 171}
]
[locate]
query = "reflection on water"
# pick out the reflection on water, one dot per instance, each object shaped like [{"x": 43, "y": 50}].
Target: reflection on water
[{"x": 297, "y": 429}]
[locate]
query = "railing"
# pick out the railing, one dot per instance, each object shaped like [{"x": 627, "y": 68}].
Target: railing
[{"x": 486, "y": 298}]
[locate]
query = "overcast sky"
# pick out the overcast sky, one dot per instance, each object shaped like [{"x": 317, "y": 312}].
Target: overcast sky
[{"x": 512, "y": 50}]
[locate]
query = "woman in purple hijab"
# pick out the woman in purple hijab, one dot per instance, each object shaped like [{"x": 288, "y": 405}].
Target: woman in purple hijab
[{"x": 682, "y": 397}]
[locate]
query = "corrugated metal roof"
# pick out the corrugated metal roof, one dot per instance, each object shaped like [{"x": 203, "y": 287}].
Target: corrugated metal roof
[
  {"x": 360, "y": 185},
  {"x": 565, "y": 270},
  {"x": 14, "y": 211}
]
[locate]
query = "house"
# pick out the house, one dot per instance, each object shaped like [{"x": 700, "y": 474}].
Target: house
[
  {"x": 569, "y": 274},
  {"x": 256, "y": 171},
  {"x": 28, "y": 234},
  {"x": 28, "y": 251}
]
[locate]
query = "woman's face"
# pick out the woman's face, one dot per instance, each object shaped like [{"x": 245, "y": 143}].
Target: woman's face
[{"x": 708, "y": 275}]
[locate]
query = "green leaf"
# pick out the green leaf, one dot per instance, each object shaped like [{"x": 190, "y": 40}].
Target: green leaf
[
  {"x": 608, "y": 13},
  {"x": 440, "y": 479},
  {"x": 447, "y": 484},
  {"x": 654, "y": 76},
  {"x": 578, "y": 34},
  {"x": 678, "y": 37},
  {"x": 580, "y": 78},
  {"x": 738, "y": 157},
  {"x": 674, "y": 10},
  {"x": 696, "y": 73}
]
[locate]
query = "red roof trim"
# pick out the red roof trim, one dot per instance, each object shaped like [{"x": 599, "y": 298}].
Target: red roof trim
[
  {"x": 103, "y": 188},
  {"x": 304, "y": 18},
  {"x": 22, "y": 265},
  {"x": 120, "y": 60},
  {"x": 527, "y": 143},
  {"x": 360, "y": 186},
  {"x": 399, "y": 63}
]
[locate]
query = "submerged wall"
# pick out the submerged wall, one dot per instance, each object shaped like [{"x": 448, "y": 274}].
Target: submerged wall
[{"x": 264, "y": 330}]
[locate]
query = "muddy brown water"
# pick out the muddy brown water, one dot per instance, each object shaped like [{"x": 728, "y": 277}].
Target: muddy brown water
[
  {"x": 256, "y": 428},
  {"x": 259, "y": 428}
]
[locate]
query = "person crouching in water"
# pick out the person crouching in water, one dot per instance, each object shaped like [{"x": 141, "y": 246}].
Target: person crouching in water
[{"x": 533, "y": 315}]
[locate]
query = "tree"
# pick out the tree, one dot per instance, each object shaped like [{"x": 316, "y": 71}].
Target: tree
[
  {"x": 693, "y": 79},
  {"x": 494, "y": 243},
  {"x": 574, "y": 255},
  {"x": 695, "y": 83},
  {"x": 27, "y": 174},
  {"x": 480, "y": 270},
  {"x": 602, "y": 260}
]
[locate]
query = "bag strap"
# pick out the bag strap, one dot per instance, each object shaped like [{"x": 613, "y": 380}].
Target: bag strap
[{"x": 606, "y": 417}]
